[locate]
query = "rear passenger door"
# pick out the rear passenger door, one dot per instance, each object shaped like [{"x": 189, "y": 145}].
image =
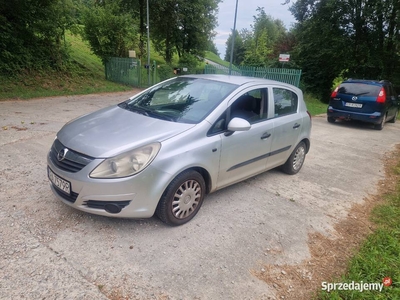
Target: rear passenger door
[{"x": 287, "y": 124}]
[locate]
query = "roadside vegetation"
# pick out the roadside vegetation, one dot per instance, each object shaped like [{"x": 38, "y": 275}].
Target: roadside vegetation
[
  {"x": 85, "y": 75},
  {"x": 378, "y": 258}
]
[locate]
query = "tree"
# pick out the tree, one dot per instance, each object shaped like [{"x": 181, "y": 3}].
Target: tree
[
  {"x": 31, "y": 34},
  {"x": 110, "y": 32},
  {"x": 260, "y": 46},
  {"x": 238, "y": 50},
  {"x": 357, "y": 38},
  {"x": 257, "y": 54},
  {"x": 184, "y": 27}
]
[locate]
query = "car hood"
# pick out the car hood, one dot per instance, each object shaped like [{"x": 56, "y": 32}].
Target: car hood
[{"x": 114, "y": 130}]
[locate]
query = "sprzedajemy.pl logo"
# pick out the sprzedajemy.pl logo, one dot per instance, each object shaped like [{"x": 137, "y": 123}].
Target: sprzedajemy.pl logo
[{"x": 356, "y": 286}]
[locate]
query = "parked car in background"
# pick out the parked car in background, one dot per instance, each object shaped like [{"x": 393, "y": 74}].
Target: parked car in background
[
  {"x": 364, "y": 100},
  {"x": 163, "y": 150}
]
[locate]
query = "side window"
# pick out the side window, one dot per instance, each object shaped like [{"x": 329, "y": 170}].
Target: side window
[
  {"x": 285, "y": 102},
  {"x": 251, "y": 106},
  {"x": 219, "y": 126}
]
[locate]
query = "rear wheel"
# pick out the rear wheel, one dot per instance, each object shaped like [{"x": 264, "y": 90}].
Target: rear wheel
[
  {"x": 296, "y": 159},
  {"x": 381, "y": 124},
  {"x": 182, "y": 199},
  {"x": 331, "y": 120},
  {"x": 395, "y": 117}
]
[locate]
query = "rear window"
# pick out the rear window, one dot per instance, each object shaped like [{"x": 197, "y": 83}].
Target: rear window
[{"x": 359, "y": 89}]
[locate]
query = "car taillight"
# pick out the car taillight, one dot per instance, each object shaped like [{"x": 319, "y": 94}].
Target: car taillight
[
  {"x": 309, "y": 114},
  {"x": 334, "y": 93},
  {"x": 381, "y": 96}
]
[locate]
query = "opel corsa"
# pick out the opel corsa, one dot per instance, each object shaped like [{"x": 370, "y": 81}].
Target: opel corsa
[{"x": 161, "y": 151}]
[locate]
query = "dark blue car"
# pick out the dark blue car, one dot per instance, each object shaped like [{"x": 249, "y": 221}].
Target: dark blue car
[{"x": 364, "y": 100}]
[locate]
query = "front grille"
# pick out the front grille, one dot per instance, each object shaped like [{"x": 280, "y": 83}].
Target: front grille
[
  {"x": 102, "y": 204},
  {"x": 70, "y": 198},
  {"x": 73, "y": 161}
]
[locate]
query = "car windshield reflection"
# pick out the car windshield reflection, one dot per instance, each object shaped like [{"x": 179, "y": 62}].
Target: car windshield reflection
[{"x": 183, "y": 100}]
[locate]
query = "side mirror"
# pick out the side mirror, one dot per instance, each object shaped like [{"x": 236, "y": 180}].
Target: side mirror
[{"x": 238, "y": 124}]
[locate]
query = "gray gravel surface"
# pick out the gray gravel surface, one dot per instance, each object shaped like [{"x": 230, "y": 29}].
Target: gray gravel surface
[{"x": 50, "y": 251}]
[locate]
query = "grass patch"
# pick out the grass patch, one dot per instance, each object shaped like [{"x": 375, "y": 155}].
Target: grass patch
[
  {"x": 314, "y": 105},
  {"x": 85, "y": 75},
  {"x": 53, "y": 83},
  {"x": 379, "y": 255},
  {"x": 215, "y": 58}
]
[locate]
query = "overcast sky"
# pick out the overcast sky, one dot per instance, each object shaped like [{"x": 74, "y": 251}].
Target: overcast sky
[{"x": 246, "y": 10}]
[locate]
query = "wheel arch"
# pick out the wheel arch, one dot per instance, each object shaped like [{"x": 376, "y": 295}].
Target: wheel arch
[
  {"x": 202, "y": 171},
  {"x": 307, "y": 142}
]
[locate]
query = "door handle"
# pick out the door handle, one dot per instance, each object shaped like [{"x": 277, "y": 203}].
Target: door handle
[
  {"x": 295, "y": 126},
  {"x": 265, "y": 135}
]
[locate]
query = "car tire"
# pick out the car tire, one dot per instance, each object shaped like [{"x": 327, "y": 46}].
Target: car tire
[
  {"x": 182, "y": 198},
  {"x": 395, "y": 117},
  {"x": 296, "y": 159},
  {"x": 381, "y": 124},
  {"x": 331, "y": 119}
]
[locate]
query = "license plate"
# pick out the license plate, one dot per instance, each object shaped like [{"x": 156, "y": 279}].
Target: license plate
[
  {"x": 356, "y": 105},
  {"x": 60, "y": 183}
]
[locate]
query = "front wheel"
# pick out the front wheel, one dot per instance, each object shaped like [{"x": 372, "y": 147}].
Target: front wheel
[
  {"x": 296, "y": 159},
  {"x": 182, "y": 199}
]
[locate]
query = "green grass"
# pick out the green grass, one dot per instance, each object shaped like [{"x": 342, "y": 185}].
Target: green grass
[
  {"x": 314, "y": 105},
  {"x": 215, "y": 58},
  {"x": 379, "y": 256},
  {"x": 85, "y": 75}
]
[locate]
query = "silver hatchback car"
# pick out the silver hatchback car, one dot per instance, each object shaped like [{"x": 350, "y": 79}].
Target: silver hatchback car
[{"x": 165, "y": 148}]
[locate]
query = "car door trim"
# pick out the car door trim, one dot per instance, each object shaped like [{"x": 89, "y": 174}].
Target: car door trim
[{"x": 242, "y": 164}]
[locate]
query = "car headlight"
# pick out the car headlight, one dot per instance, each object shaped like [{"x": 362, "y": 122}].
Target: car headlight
[{"x": 128, "y": 163}]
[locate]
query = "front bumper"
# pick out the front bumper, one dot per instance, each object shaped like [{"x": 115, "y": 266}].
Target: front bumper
[
  {"x": 375, "y": 118},
  {"x": 131, "y": 197}
]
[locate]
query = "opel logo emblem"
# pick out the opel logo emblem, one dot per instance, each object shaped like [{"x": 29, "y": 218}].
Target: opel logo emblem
[
  {"x": 61, "y": 155},
  {"x": 354, "y": 98}
]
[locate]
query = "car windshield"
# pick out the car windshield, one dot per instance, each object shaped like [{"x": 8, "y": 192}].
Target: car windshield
[
  {"x": 183, "y": 99},
  {"x": 359, "y": 89}
]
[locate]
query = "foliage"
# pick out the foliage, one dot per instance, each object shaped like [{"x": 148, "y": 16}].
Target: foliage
[
  {"x": 189, "y": 61},
  {"x": 239, "y": 48},
  {"x": 260, "y": 46},
  {"x": 190, "y": 26},
  {"x": 212, "y": 47},
  {"x": 357, "y": 39},
  {"x": 31, "y": 34},
  {"x": 85, "y": 75},
  {"x": 257, "y": 54},
  {"x": 110, "y": 32}
]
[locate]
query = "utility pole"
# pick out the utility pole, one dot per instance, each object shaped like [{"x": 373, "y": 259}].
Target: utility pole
[
  {"x": 233, "y": 38},
  {"x": 148, "y": 45}
]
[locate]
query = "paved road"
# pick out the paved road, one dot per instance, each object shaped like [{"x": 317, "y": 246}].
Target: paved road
[{"x": 51, "y": 251}]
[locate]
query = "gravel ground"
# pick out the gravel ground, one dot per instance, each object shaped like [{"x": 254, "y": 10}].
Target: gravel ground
[{"x": 50, "y": 251}]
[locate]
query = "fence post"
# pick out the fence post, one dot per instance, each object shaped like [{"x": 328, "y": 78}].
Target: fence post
[{"x": 154, "y": 71}]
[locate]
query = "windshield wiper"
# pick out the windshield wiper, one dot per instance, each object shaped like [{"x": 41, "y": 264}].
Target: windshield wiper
[
  {"x": 134, "y": 108},
  {"x": 145, "y": 112}
]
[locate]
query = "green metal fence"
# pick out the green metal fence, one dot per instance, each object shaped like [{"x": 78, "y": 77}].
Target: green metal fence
[
  {"x": 131, "y": 72},
  {"x": 291, "y": 76}
]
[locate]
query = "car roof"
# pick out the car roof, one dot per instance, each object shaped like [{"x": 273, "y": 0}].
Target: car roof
[
  {"x": 367, "y": 81},
  {"x": 238, "y": 80}
]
